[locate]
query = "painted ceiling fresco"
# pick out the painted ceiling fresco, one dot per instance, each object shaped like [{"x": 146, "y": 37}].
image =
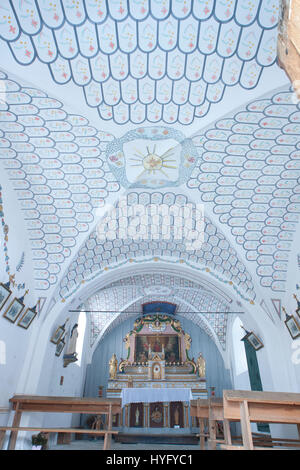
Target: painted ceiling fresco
[{"x": 154, "y": 60}]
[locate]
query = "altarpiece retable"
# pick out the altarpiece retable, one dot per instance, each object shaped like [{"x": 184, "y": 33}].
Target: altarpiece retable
[{"x": 157, "y": 365}]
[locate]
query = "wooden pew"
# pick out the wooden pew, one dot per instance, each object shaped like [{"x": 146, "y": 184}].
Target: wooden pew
[
  {"x": 210, "y": 410},
  {"x": 44, "y": 404},
  {"x": 103, "y": 432},
  {"x": 251, "y": 406}
]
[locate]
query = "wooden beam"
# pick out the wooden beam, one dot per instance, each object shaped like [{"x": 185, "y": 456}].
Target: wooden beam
[{"x": 246, "y": 426}]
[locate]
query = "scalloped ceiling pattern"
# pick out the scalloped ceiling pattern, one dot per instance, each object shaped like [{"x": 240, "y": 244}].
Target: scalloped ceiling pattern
[
  {"x": 155, "y": 60},
  {"x": 57, "y": 166},
  {"x": 248, "y": 174},
  {"x": 156, "y": 279},
  {"x": 215, "y": 256}
]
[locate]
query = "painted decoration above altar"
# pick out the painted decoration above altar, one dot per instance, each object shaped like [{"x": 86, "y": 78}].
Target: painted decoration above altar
[
  {"x": 159, "y": 307},
  {"x": 153, "y": 157}
]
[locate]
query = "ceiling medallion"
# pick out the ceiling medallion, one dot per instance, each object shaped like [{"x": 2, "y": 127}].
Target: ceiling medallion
[{"x": 138, "y": 161}]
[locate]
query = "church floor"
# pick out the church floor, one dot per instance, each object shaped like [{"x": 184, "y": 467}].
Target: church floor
[{"x": 98, "y": 445}]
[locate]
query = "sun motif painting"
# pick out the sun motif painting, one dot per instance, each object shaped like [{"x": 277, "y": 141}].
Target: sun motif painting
[
  {"x": 154, "y": 157},
  {"x": 153, "y": 163}
]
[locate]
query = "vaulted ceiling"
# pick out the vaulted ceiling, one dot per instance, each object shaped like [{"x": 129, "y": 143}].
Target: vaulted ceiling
[
  {"x": 183, "y": 86},
  {"x": 146, "y": 60}
]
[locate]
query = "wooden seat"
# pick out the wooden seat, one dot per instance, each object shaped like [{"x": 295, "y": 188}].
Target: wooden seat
[
  {"x": 36, "y": 403},
  {"x": 258, "y": 407},
  {"x": 210, "y": 410},
  {"x": 3, "y": 430}
]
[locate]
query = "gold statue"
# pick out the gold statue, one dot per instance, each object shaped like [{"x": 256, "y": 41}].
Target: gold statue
[
  {"x": 201, "y": 365},
  {"x": 187, "y": 341},
  {"x": 113, "y": 367}
]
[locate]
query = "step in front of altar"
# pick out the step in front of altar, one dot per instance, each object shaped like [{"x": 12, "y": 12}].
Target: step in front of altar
[{"x": 168, "y": 438}]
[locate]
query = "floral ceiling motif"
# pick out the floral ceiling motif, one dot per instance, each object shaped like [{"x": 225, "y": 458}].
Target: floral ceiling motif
[{"x": 155, "y": 60}]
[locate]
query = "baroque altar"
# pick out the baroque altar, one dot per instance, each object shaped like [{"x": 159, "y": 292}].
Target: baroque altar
[{"x": 157, "y": 361}]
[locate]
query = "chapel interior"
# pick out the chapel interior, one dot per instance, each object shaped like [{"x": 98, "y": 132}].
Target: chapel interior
[{"x": 149, "y": 236}]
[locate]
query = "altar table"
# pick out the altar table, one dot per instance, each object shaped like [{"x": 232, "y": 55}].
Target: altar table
[{"x": 152, "y": 395}]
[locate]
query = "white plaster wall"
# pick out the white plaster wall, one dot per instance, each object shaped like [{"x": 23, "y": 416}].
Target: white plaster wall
[
  {"x": 14, "y": 340},
  {"x": 48, "y": 383}
]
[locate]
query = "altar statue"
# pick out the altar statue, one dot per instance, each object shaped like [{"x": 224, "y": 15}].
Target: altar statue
[
  {"x": 201, "y": 365},
  {"x": 113, "y": 367}
]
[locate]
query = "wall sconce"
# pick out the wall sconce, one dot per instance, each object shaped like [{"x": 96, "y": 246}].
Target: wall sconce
[
  {"x": 255, "y": 342},
  {"x": 292, "y": 325}
]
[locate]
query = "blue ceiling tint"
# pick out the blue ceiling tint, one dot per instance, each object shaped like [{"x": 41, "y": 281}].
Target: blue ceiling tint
[{"x": 145, "y": 60}]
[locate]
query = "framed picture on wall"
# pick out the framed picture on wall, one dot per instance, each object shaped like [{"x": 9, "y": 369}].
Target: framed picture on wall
[
  {"x": 27, "y": 318},
  {"x": 254, "y": 341},
  {"x": 59, "y": 347},
  {"x": 13, "y": 310},
  {"x": 5, "y": 293},
  {"x": 58, "y": 335},
  {"x": 293, "y": 326}
]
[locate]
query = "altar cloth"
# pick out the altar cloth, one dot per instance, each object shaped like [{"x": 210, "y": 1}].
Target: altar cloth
[{"x": 152, "y": 395}]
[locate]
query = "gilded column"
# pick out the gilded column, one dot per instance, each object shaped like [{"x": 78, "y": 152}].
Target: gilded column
[{"x": 126, "y": 415}]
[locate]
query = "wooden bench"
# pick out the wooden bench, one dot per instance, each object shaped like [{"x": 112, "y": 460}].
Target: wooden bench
[
  {"x": 258, "y": 407},
  {"x": 211, "y": 410},
  {"x": 36, "y": 403},
  {"x": 102, "y": 432}
]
